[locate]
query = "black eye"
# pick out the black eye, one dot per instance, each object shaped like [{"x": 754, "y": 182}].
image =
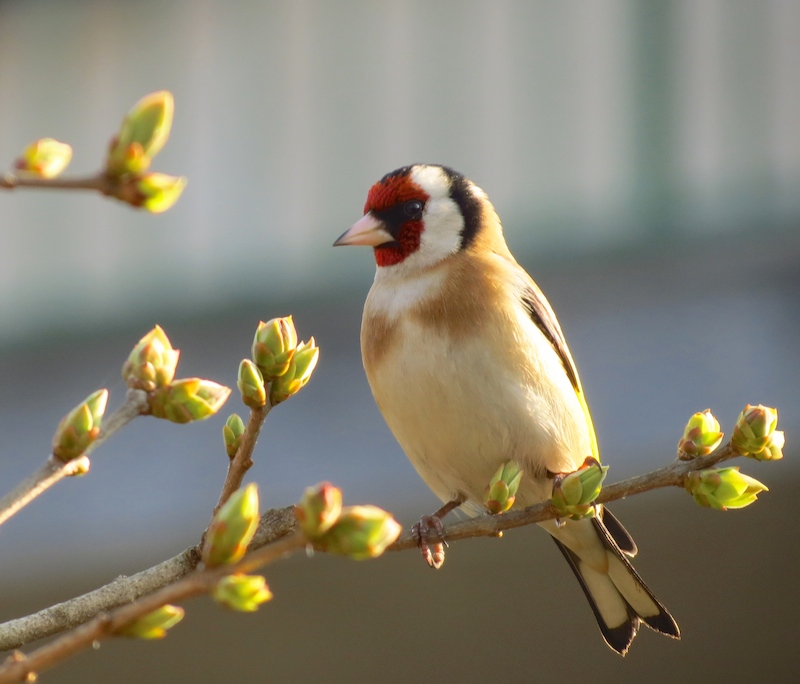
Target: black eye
[{"x": 413, "y": 208}]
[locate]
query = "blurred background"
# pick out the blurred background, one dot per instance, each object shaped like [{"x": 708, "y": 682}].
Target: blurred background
[{"x": 645, "y": 159}]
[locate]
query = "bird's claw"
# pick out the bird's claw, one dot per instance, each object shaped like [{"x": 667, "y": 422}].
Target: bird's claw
[{"x": 432, "y": 552}]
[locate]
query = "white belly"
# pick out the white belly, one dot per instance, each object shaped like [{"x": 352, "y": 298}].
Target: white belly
[{"x": 460, "y": 411}]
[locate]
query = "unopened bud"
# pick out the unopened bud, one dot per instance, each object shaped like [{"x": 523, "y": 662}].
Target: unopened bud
[
  {"x": 154, "y": 625},
  {"x": 360, "y": 532},
  {"x": 302, "y": 365},
  {"x": 500, "y": 493},
  {"x": 45, "y": 158},
  {"x": 233, "y": 528},
  {"x": 80, "y": 427},
  {"x": 319, "y": 509},
  {"x": 251, "y": 384},
  {"x": 700, "y": 437},
  {"x": 574, "y": 494},
  {"x": 143, "y": 133},
  {"x": 183, "y": 401},
  {"x": 755, "y": 433},
  {"x": 152, "y": 362},
  {"x": 242, "y": 592},
  {"x": 723, "y": 488},
  {"x": 232, "y": 433},
  {"x": 274, "y": 345}
]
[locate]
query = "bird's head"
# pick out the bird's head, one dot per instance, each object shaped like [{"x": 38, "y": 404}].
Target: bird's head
[{"x": 418, "y": 216}]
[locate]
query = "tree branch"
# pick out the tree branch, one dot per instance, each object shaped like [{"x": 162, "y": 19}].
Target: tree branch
[
  {"x": 278, "y": 523},
  {"x": 100, "y": 183},
  {"x": 54, "y": 470},
  {"x": 19, "y": 667},
  {"x": 243, "y": 459}
]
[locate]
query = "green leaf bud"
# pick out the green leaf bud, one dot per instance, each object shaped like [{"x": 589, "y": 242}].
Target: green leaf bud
[
  {"x": 242, "y": 592},
  {"x": 700, "y": 437},
  {"x": 45, "y": 158},
  {"x": 154, "y": 625},
  {"x": 183, "y": 401},
  {"x": 152, "y": 363},
  {"x": 232, "y": 529},
  {"x": 232, "y": 433},
  {"x": 80, "y": 427},
  {"x": 302, "y": 365},
  {"x": 251, "y": 384},
  {"x": 318, "y": 510},
  {"x": 360, "y": 532},
  {"x": 274, "y": 346},
  {"x": 723, "y": 488},
  {"x": 143, "y": 133}
]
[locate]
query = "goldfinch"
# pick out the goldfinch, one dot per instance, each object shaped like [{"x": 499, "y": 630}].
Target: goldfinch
[{"x": 469, "y": 367}]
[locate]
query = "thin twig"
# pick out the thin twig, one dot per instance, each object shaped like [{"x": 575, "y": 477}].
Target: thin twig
[
  {"x": 243, "y": 459},
  {"x": 100, "y": 183},
  {"x": 19, "y": 668},
  {"x": 54, "y": 470},
  {"x": 277, "y": 523},
  {"x": 51, "y": 472}
]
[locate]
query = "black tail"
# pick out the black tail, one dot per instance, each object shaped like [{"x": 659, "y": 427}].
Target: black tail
[{"x": 619, "y": 598}]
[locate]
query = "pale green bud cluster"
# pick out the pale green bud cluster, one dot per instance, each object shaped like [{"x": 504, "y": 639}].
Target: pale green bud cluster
[
  {"x": 358, "y": 532},
  {"x": 151, "y": 367},
  {"x": 80, "y": 427},
  {"x": 700, "y": 437},
  {"x": 152, "y": 362},
  {"x": 280, "y": 366},
  {"x": 242, "y": 592},
  {"x": 232, "y": 528},
  {"x": 500, "y": 493},
  {"x": 154, "y": 625},
  {"x": 755, "y": 435},
  {"x": 274, "y": 345},
  {"x": 45, "y": 158},
  {"x": 723, "y": 488},
  {"x": 574, "y": 494}
]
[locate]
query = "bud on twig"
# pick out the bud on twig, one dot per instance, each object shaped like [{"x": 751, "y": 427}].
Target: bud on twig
[
  {"x": 152, "y": 362},
  {"x": 574, "y": 494},
  {"x": 80, "y": 427},
  {"x": 143, "y": 133},
  {"x": 360, "y": 532},
  {"x": 319, "y": 509},
  {"x": 755, "y": 435},
  {"x": 723, "y": 488},
  {"x": 242, "y": 592},
  {"x": 45, "y": 158},
  {"x": 274, "y": 345},
  {"x": 154, "y": 625},
  {"x": 302, "y": 365},
  {"x": 155, "y": 192},
  {"x": 232, "y": 529},
  {"x": 232, "y": 433},
  {"x": 251, "y": 385},
  {"x": 500, "y": 493},
  {"x": 700, "y": 437},
  {"x": 183, "y": 401}
]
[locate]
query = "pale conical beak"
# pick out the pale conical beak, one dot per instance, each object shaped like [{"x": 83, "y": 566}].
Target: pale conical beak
[{"x": 366, "y": 231}]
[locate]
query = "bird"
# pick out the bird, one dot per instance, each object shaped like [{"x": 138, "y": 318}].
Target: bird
[{"x": 469, "y": 366}]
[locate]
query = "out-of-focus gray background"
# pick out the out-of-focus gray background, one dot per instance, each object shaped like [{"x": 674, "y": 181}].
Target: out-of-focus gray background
[{"x": 645, "y": 158}]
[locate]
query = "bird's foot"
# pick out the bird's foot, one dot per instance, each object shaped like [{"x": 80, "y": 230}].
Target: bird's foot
[{"x": 433, "y": 552}]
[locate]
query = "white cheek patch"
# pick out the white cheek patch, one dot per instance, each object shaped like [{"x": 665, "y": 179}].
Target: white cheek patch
[{"x": 442, "y": 219}]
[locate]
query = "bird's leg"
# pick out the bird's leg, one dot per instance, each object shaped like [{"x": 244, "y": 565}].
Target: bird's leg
[{"x": 433, "y": 553}]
